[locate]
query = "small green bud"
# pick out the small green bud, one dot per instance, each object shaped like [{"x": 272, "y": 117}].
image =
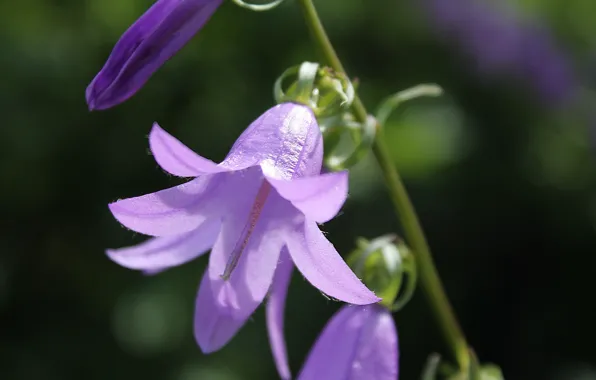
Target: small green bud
[
  {"x": 381, "y": 264},
  {"x": 336, "y": 93},
  {"x": 326, "y": 92}
]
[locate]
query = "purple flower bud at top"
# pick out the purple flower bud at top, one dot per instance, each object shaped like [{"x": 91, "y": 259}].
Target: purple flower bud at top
[
  {"x": 358, "y": 343},
  {"x": 153, "y": 39}
]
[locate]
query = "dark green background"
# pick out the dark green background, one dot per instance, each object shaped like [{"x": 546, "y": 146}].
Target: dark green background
[{"x": 503, "y": 182}]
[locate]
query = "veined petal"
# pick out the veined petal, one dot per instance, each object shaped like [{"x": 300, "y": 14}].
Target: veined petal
[
  {"x": 258, "y": 253},
  {"x": 285, "y": 141},
  {"x": 183, "y": 208},
  {"x": 316, "y": 258},
  {"x": 172, "y": 211},
  {"x": 176, "y": 158},
  {"x": 345, "y": 347},
  {"x": 377, "y": 355},
  {"x": 153, "y": 39},
  {"x": 330, "y": 357},
  {"x": 160, "y": 253},
  {"x": 275, "y": 313},
  {"x": 213, "y": 326},
  {"x": 319, "y": 197}
]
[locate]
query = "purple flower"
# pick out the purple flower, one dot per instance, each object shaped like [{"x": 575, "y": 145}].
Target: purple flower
[
  {"x": 153, "y": 39},
  {"x": 503, "y": 44},
  {"x": 258, "y": 209},
  {"x": 358, "y": 343}
]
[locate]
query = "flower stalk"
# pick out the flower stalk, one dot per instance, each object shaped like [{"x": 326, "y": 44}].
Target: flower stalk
[{"x": 428, "y": 276}]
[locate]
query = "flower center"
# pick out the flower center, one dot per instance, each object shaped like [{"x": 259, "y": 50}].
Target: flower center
[{"x": 253, "y": 217}]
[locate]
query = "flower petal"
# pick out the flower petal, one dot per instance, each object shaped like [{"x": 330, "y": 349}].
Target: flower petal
[
  {"x": 358, "y": 343},
  {"x": 153, "y": 39},
  {"x": 316, "y": 258},
  {"x": 213, "y": 326},
  {"x": 252, "y": 277},
  {"x": 160, "y": 253},
  {"x": 176, "y": 158},
  {"x": 377, "y": 354},
  {"x": 172, "y": 211},
  {"x": 285, "y": 141},
  {"x": 319, "y": 197},
  {"x": 332, "y": 355},
  {"x": 275, "y": 313},
  {"x": 183, "y": 208}
]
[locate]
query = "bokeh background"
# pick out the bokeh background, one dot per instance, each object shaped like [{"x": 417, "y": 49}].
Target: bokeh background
[{"x": 501, "y": 170}]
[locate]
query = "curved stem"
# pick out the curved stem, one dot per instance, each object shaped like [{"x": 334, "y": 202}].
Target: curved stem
[{"x": 428, "y": 275}]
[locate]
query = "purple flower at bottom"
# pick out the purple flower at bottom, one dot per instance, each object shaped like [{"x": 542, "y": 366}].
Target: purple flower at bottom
[
  {"x": 358, "y": 343},
  {"x": 258, "y": 209},
  {"x": 153, "y": 39}
]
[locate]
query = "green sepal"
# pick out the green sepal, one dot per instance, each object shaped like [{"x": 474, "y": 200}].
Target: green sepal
[{"x": 258, "y": 7}]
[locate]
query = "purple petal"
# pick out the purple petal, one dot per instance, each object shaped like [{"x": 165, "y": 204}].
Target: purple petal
[
  {"x": 285, "y": 141},
  {"x": 176, "y": 158},
  {"x": 346, "y": 347},
  {"x": 275, "y": 313},
  {"x": 153, "y": 39},
  {"x": 172, "y": 211},
  {"x": 316, "y": 258},
  {"x": 183, "y": 208},
  {"x": 331, "y": 356},
  {"x": 320, "y": 197},
  {"x": 377, "y": 357},
  {"x": 252, "y": 277},
  {"x": 213, "y": 326},
  {"x": 160, "y": 253}
]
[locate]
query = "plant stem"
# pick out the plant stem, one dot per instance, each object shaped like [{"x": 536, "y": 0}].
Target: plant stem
[{"x": 428, "y": 275}]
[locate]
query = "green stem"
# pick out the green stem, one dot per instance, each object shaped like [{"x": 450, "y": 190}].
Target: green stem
[{"x": 428, "y": 275}]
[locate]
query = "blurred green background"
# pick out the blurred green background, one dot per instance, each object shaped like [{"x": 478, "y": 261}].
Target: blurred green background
[{"x": 501, "y": 170}]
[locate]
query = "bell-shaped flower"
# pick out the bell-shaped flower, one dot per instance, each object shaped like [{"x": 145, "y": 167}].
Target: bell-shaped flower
[
  {"x": 358, "y": 343},
  {"x": 153, "y": 39},
  {"x": 265, "y": 198}
]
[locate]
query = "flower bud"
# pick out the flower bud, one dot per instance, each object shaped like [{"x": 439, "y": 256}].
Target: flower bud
[
  {"x": 382, "y": 264},
  {"x": 326, "y": 92}
]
